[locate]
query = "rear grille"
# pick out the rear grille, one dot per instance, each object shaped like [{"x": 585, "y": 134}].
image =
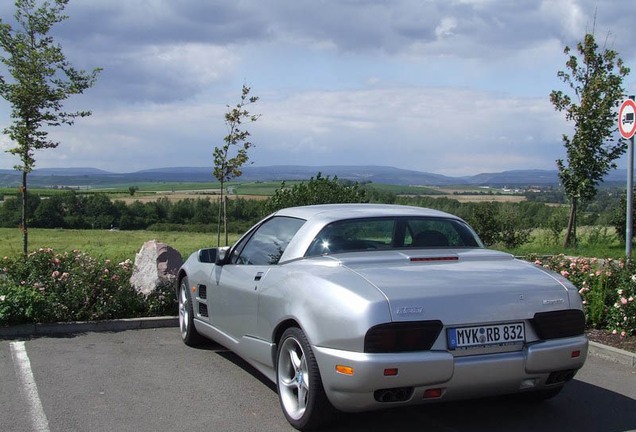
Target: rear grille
[
  {"x": 560, "y": 376},
  {"x": 559, "y": 324},
  {"x": 203, "y": 310},
  {"x": 203, "y": 292}
]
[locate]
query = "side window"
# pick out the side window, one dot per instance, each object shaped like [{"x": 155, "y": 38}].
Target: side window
[{"x": 267, "y": 244}]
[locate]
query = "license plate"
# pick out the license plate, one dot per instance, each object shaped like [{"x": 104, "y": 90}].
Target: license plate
[{"x": 498, "y": 334}]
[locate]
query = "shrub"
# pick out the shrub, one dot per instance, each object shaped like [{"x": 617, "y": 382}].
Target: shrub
[
  {"x": 49, "y": 287},
  {"x": 607, "y": 288}
]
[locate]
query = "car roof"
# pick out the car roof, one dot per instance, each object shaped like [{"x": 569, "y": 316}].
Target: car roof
[
  {"x": 333, "y": 212},
  {"x": 318, "y": 216}
]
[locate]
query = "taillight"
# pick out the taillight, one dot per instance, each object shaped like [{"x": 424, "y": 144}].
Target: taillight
[
  {"x": 559, "y": 324},
  {"x": 402, "y": 336}
]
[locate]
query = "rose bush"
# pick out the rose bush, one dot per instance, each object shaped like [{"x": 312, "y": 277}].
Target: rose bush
[
  {"x": 49, "y": 287},
  {"x": 606, "y": 287}
]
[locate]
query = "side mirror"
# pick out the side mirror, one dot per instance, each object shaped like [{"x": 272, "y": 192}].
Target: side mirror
[
  {"x": 222, "y": 255},
  {"x": 216, "y": 256},
  {"x": 208, "y": 255}
]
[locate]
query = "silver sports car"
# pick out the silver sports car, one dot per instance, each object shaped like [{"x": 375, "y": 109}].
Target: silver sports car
[{"x": 356, "y": 307}]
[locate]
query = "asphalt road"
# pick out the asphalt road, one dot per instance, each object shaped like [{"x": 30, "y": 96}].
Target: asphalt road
[{"x": 147, "y": 380}]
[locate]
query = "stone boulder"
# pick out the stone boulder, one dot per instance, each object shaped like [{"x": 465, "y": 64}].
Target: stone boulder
[{"x": 156, "y": 264}]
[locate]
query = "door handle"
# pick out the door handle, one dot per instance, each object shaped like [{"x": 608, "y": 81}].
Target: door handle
[{"x": 258, "y": 276}]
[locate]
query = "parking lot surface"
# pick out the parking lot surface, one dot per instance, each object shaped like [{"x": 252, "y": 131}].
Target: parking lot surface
[{"x": 148, "y": 380}]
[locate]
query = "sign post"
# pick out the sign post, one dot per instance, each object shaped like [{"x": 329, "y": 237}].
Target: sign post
[{"x": 627, "y": 127}]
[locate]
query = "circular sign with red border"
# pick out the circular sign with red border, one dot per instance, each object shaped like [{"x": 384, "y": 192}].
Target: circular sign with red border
[{"x": 626, "y": 120}]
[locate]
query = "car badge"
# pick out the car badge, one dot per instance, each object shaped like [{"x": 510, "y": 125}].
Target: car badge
[
  {"x": 553, "y": 301},
  {"x": 410, "y": 310}
]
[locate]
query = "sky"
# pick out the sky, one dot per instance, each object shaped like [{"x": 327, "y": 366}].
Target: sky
[{"x": 453, "y": 87}]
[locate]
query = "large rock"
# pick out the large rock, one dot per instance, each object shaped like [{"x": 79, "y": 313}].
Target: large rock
[{"x": 156, "y": 264}]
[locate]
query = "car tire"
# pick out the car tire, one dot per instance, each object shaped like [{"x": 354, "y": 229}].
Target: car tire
[
  {"x": 300, "y": 390},
  {"x": 189, "y": 334}
]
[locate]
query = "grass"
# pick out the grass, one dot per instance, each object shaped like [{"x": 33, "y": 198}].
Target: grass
[
  {"x": 599, "y": 242},
  {"x": 120, "y": 245},
  {"x": 114, "y": 245},
  {"x": 405, "y": 190}
]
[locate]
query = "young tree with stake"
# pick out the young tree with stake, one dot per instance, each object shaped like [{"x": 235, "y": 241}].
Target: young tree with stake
[
  {"x": 595, "y": 77},
  {"x": 41, "y": 79},
  {"x": 226, "y": 167}
]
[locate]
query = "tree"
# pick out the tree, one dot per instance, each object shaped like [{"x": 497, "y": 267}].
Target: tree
[
  {"x": 319, "y": 190},
  {"x": 619, "y": 218},
  {"x": 42, "y": 79},
  {"x": 484, "y": 221},
  {"x": 225, "y": 167},
  {"x": 595, "y": 77}
]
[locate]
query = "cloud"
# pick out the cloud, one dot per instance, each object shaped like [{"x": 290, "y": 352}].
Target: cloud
[{"x": 454, "y": 86}]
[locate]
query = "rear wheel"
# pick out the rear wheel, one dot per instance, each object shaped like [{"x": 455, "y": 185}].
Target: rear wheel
[
  {"x": 189, "y": 334},
  {"x": 300, "y": 389}
]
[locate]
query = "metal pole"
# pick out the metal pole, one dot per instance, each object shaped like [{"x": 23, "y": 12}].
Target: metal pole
[{"x": 630, "y": 209}]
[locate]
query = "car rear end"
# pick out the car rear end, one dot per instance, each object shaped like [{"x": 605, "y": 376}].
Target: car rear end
[{"x": 464, "y": 324}]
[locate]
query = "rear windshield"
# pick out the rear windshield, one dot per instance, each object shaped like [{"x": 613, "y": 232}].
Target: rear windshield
[{"x": 393, "y": 233}]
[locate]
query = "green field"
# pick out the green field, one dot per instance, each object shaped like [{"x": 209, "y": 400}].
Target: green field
[
  {"x": 114, "y": 245},
  {"x": 238, "y": 188},
  {"x": 120, "y": 245}
]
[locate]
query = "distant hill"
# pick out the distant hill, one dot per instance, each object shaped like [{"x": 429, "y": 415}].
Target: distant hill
[
  {"x": 516, "y": 177},
  {"x": 47, "y": 177}
]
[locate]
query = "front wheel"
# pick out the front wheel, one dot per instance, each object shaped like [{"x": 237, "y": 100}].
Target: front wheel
[
  {"x": 300, "y": 389},
  {"x": 189, "y": 334}
]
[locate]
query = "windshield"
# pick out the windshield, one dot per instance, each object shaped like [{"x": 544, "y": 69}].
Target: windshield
[{"x": 393, "y": 233}]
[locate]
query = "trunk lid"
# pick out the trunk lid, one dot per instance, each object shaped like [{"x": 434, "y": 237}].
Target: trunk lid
[{"x": 459, "y": 286}]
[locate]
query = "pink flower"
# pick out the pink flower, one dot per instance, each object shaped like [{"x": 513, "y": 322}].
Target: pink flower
[
  {"x": 631, "y": 299},
  {"x": 105, "y": 270},
  {"x": 565, "y": 273},
  {"x": 537, "y": 262},
  {"x": 623, "y": 300},
  {"x": 623, "y": 334},
  {"x": 598, "y": 272},
  {"x": 23, "y": 283},
  {"x": 619, "y": 292},
  {"x": 614, "y": 332},
  {"x": 56, "y": 261},
  {"x": 572, "y": 265},
  {"x": 64, "y": 275},
  {"x": 55, "y": 274}
]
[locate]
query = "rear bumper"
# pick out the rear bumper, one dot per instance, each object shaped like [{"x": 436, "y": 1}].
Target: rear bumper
[{"x": 457, "y": 377}]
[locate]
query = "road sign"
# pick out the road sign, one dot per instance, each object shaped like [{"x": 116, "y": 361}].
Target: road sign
[{"x": 626, "y": 121}]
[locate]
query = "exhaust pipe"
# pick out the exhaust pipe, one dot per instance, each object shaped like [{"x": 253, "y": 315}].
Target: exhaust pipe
[{"x": 400, "y": 394}]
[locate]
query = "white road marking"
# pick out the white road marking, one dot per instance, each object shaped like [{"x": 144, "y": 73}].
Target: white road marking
[{"x": 28, "y": 388}]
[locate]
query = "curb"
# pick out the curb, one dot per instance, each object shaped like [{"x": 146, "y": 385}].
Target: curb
[
  {"x": 612, "y": 354},
  {"x": 34, "y": 330}
]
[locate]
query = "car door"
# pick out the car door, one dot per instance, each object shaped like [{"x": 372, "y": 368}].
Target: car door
[{"x": 235, "y": 296}]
